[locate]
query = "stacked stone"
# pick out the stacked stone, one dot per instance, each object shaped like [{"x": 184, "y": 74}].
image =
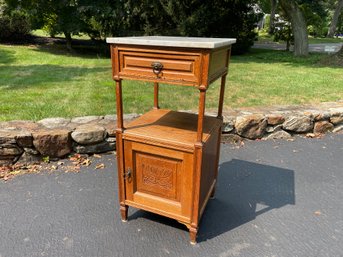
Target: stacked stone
[
  {"x": 27, "y": 141},
  {"x": 281, "y": 124},
  {"x": 16, "y": 140}
]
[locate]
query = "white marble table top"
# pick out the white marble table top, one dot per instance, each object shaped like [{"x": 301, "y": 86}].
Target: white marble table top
[{"x": 191, "y": 42}]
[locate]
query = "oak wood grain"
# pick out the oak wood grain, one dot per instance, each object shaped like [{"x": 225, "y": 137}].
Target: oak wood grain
[{"x": 168, "y": 160}]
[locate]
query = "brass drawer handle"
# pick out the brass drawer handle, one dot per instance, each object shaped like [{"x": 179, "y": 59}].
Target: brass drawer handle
[{"x": 157, "y": 67}]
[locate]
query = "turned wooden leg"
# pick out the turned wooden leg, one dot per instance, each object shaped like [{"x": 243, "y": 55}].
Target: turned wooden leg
[
  {"x": 123, "y": 212},
  {"x": 193, "y": 235}
]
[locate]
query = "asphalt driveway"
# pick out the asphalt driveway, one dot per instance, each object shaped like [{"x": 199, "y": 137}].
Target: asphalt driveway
[
  {"x": 313, "y": 48},
  {"x": 277, "y": 198}
]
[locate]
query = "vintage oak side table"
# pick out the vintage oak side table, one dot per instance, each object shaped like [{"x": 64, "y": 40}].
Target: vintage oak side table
[{"x": 168, "y": 160}]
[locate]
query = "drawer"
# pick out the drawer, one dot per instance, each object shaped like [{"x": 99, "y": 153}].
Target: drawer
[{"x": 161, "y": 67}]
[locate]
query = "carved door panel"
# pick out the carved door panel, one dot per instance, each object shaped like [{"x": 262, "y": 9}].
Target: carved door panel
[{"x": 159, "y": 179}]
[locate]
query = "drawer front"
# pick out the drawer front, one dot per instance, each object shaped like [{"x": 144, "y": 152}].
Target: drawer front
[{"x": 161, "y": 67}]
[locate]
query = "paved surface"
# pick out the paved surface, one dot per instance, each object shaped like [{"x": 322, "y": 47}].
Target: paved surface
[
  {"x": 273, "y": 199},
  {"x": 314, "y": 48}
]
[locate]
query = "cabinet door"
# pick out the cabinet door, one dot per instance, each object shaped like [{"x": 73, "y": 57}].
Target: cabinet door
[{"x": 159, "y": 179}]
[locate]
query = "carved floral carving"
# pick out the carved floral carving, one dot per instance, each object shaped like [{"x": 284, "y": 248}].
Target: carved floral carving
[{"x": 158, "y": 176}]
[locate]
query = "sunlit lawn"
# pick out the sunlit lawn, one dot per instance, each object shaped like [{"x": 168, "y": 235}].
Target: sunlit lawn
[{"x": 39, "y": 82}]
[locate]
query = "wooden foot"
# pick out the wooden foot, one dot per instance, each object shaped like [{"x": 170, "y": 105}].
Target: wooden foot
[
  {"x": 193, "y": 235},
  {"x": 123, "y": 212}
]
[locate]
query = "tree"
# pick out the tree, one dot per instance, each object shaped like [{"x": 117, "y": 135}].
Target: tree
[
  {"x": 273, "y": 4},
  {"x": 299, "y": 27},
  {"x": 56, "y": 16},
  {"x": 217, "y": 18},
  {"x": 14, "y": 24},
  {"x": 315, "y": 13},
  {"x": 335, "y": 17}
]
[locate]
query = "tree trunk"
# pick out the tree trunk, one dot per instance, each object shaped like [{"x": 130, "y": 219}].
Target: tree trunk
[
  {"x": 68, "y": 40},
  {"x": 273, "y": 4},
  {"x": 340, "y": 52},
  {"x": 335, "y": 17},
  {"x": 299, "y": 27}
]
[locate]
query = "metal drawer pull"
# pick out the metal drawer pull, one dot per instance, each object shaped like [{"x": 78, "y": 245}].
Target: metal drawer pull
[
  {"x": 157, "y": 67},
  {"x": 127, "y": 175}
]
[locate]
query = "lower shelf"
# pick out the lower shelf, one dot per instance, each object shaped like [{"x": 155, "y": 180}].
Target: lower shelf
[{"x": 160, "y": 178}]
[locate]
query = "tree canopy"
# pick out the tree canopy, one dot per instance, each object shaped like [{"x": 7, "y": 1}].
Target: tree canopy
[{"x": 217, "y": 18}]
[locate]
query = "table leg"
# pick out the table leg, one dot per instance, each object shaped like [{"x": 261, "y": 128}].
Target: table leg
[
  {"x": 193, "y": 231},
  {"x": 201, "y": 114},
  {"x": 221, "y": 97},
  {"x": 123, "y": 212},
  {"x": 156, "y": 89}
]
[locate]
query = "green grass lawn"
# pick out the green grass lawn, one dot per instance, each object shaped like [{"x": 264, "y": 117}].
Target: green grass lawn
[
  {"x": 42, "y": 33},
  {"x": 47, "y": 81}
]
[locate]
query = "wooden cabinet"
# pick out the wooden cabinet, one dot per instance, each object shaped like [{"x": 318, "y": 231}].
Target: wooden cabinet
[{"x": 168, "y": 160}]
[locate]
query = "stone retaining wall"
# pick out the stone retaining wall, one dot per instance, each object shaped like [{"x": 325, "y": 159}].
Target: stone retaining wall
[
  {"x": 283, "y": 122},
  {"x": 27, "y": 141}
]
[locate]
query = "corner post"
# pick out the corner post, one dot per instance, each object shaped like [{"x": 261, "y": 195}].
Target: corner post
[
  {"x": 119, "y": 101},
  {"x": 222, "y": 86},
  {"x": 156, "y": 89},
  {"x": 201, "y": 113},
  {"x": 221, "y": 97},
  {"x": 120, "y": 150}
]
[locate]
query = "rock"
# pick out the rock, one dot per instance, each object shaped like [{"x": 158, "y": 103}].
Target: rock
[
  {"x": 338, "y": 129},
  {"x": 54, "y": 122},
  {"x": 323, "y": 127},
  {"x": 3, "y": 124},
  {"x": 31, "y": 151},
  {"x": 10, "y": 136},
  {"x": 111, "y": 139},
  {"x": 228, "y": 124},
  {"x": 24, "y": 138},
  {"x": 231, "y": 138},
  {"x": 111, "y": 129},
  {"x": 109, "y": 125},
  {"x": 322, "y": 116},
  {"x": 89, "y": 134},
  {"x": 275, "y": 119},
  {"x": 251, "y": 126},
  {"x": 336, "y": 115},
  {"x": 281, "y": 134},
  {"x": 53, "y": 142},
  {"x": 10, "y": 150},
  {"x": 96, "y": 148},
  {"x": 271, "y": 129},
  {"x": 336, "y": 111},
  {"x": 6, "y": 161},
  {"x": 20, "y": 125},
  {"x": 110, "y": 117},
  {"x": 130, "y": 116},
  {"x": 307, "y": 113},
  {"x": 7, "y": 137},
  {"x": 86, "y": 119},
  {"x": 336, "y": 119},
  {"x": 27, "y": 158},
  {"x": 298, "y": 124}
]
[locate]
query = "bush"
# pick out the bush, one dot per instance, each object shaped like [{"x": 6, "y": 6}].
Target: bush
[
  {"x": 283, "y": 31},
  {"x": 217, "y": 18},
  {"x": 14, "y": 26}
]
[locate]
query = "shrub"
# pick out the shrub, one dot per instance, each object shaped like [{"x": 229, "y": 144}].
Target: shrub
[{"x": 14, "y": 26}]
